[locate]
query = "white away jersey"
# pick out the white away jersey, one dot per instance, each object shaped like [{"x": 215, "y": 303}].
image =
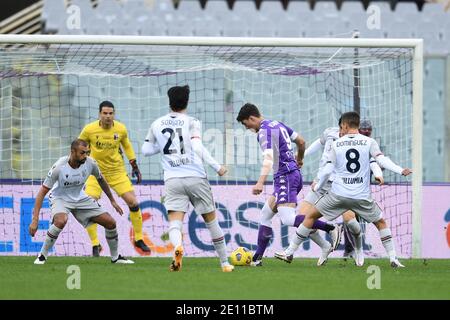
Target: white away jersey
[
  {"x": 173, "y": 133},
  {"x": 351, "y": 157},
  {"x": 67, "y": 183},
  {"x": 327, "y": 138}
]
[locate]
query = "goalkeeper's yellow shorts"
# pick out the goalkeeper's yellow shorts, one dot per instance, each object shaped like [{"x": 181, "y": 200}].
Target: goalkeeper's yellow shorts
[{"x": 119, "y": 182}]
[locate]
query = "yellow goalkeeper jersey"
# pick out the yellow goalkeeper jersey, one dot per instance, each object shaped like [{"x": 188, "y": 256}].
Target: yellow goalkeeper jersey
[{"x": 106, "y": 145}]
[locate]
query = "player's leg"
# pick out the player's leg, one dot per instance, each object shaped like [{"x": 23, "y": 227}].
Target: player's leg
[
  {"x": 371, "y": 212},
  {"x": 301, "y": 234},
  {"x": 201, "y": 197},
  {"x": 388, "y": 242},
  {"x": 93, "y": 190},
  {"x": 111, "y": 235},
  {"x": 218, "y": 239},
  {"x": 176, "y": 238},
  {"x": 355, "y": 237},
  {"x": 334, "y": 231},
  {"x": 265, "y": 232},
  {"x": 328, "y": 205},
  {"x": 312, "y": 197},
  {"x": 122, "y": 185},
  {"x": 58, "y": 222},
  {"x": 177, "y": 204},
  {"x": 136, "y": 220}
]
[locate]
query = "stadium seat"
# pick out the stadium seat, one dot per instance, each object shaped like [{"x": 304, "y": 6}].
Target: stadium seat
[
  {"x": 262, "y": 27},
  {"x": 109, "y": 10},
  {"x": 408, "y": 12},
  {"x": 245, "y": 9},
  {"x": 207, "y": 27},
  {"x": 298, "y": 10},
  {"x": 54, "y": 14},
  {"x": 190, "y": 9},
  {"x": 288, "y": 28},
  {"x": 272, "y": 10}
]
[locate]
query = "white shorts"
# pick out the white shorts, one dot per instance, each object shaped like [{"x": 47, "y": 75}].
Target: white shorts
[
  {"x": 332, "y": 206},
  {"x": 83, "y": 210},
  {"x": 182, "y": 191},
  {"x": 312, "y": 196}
]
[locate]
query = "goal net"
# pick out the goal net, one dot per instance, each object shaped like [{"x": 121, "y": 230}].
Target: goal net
[{"x": 50, "y": 91}]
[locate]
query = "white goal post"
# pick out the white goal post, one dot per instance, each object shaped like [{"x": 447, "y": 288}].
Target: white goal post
[{"x": 417, "y": 79}]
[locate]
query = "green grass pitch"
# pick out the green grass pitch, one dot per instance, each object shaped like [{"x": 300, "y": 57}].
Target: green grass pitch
[{"x": 201, "y": 278}]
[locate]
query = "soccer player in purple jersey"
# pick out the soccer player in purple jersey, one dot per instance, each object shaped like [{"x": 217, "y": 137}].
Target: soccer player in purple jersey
[{"x": 275, "y": 140}]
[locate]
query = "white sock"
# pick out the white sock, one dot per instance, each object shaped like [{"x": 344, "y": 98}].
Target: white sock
[
  {"x": 287, "y": 215},
  {"x": 266, "y": 215},
  {"x": 388, "y": 242},
  {"x": 355, "y": 228},
  {"x": 175, "y": 236},
  {"x": 321, "y": 242},
  {"x": 218, "y": 240},
  {"x": 112, "y": 238},
  {"x": 301, "y": 234},
  {"x": 50, "y": 239}
]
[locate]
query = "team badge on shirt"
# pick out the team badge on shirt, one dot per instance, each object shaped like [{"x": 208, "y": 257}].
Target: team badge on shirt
[{"x": 116, "y": 136}]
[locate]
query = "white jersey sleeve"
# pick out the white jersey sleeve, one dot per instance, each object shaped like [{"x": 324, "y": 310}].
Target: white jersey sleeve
[
  {"x": 93, "y": 168},
  {"x": 53, "y": 174},
  {"x": 327, "y": 139},
  {"x": 195, "y": 129}
]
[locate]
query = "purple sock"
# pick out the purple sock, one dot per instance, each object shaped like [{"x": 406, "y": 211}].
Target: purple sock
[
  {"x": 317, "y": 225},
  {"x": 264, "y": 235},
  {"x": 298, "y": 220}
]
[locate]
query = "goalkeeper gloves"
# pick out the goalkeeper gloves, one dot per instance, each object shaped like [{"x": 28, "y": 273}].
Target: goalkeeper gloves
[{"x": 135, "y": 171}]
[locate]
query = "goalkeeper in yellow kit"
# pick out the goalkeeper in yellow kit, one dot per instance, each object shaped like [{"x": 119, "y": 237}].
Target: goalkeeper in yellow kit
[{"x": 106, "y": 137}]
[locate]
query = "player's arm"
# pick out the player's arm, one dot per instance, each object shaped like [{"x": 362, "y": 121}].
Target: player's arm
[
  {"x": 294, "y": 137},
  {"x": 199, "y": 149},
  {"x": 105, "y": 187},
  {"x": 129, "y": 152},
  {"x": 50, "y": 180},
  {"x": 376, "y": 170},
  {"x": 314, "y": 147},
  {"x": 265, "y": 170},
  {"x": 385, "y": 162},
  {"x": 327, "y": 170},
  {"x": 36, "y": 209},
  {"x": 150, "y": 146},
  {"x": 301, "y": 145}
]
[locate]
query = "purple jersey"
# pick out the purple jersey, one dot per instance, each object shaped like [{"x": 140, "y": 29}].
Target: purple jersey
[{"x": 278, "y": 137}]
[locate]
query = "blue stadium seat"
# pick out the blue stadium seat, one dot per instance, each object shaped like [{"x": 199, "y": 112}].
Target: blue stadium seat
[
  {"x": 273, "y": 10},
  {"x": 190, "y": 9},
  {"x": 298, "y": 10},
  {"x": 109, "y": 10},
  {"x": 245, "y": 9},
  {"x": 54, "y": 15}
]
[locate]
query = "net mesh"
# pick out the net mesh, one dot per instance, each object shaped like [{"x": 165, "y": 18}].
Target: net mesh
[{"x": 49, "y": 92}]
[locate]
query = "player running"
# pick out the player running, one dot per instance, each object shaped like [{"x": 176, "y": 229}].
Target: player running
[
  {"x": 178, "y": 137},
  {"x": 349, "y": 159},
  {"x": 275, "y": 140}
]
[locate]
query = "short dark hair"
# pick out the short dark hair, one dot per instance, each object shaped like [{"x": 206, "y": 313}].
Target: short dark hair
[
  {"x": 105, "y": 103},
  {"x": 365, "y": 127},
  {"x": 365, "y": 124},
  {"x": 76, "y": 143},
  {"x": 178, "y": 97},
  {"x": 247, "y": 111},
  {"x": 351, "y": 119}
]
